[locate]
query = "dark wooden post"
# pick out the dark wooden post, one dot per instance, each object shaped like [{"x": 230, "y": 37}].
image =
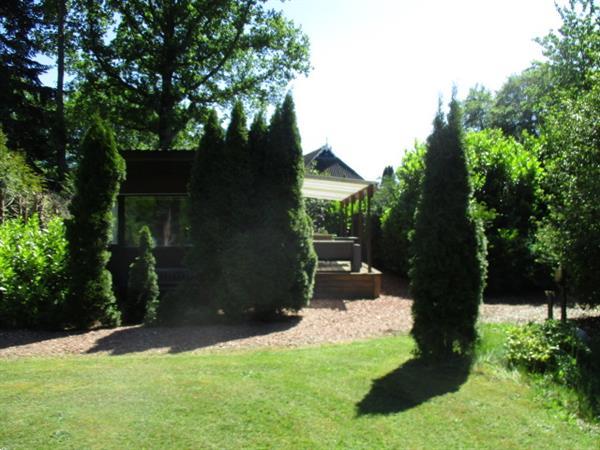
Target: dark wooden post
[
  {"x": 343, "y": 218},
  {"x": 360, "y": 221},
  {"x": 352, "y": 230},
  {"x": 560, "y": 279},
  {"x": 369, "y": 237},
  {"x": 121, "y": 220},
  {"x": 550, "y": 297}
]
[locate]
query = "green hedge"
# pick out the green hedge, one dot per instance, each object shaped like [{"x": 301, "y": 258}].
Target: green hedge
[{"x": 32, "y": 273}]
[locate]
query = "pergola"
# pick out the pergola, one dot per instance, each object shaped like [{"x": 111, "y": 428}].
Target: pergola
[{"x": 348, "y": 191}]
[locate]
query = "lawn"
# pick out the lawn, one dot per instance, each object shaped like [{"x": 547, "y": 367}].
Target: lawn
[{"x": 367, "y": 394}]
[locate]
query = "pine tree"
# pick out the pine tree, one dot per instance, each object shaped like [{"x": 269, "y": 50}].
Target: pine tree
[
  {"x": 142, "y": 289},
  {"x": 101, "y": 169},
  {"x": 24, "y": 102},
  {"x": 448, "y": 267}
]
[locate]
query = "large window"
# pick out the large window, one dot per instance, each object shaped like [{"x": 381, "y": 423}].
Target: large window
[{"x": 166, "y": 216}]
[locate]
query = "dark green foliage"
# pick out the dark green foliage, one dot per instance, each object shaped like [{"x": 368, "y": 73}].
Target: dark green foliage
[
  {"x": 251, "y": 249},
  {"x": 206, "y": 210},
  {"x": 284, "y": 211},
  {"x": 552, "y": 347},
  {"x": 398, "y": 220},
  {"x": 24, "y": 102},
  {"x": 101, "y": 169},
  {"x": 157, "y": 67},
  {"x": 559, "y": 353},
  {"x": 142, "y": 288},
  {"x": 477, "y": 108},
  {"x": 268, "y": 263},
  {"x": 573, "y": 50},
  {"x": 388, "y": 171},
  {"x": 448, "y": 264},
  {"x": 33, "y": 281},
  {"x": 507, "y": 178},
  {"x": 570, "y": 235}
]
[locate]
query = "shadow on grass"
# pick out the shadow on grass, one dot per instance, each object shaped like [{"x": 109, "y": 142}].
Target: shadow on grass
[
  {"x": 184, "y": 338},
  {"x": 412, "y": 384}
]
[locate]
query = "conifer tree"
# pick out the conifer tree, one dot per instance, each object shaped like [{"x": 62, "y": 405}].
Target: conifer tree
[
  {"x": 448, "y": 267},
  {"x": 206, "y": 207},
  {"x": 100, "y": 172},
  {"x": 236, "y": 181},
  {"x": 142, "y": 289},
  {"x": 269, "y": 265},
  {"x": 285, "y": 213}
]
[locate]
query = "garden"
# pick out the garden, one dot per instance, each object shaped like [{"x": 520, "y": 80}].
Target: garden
[{"x": 487, "y": 233}]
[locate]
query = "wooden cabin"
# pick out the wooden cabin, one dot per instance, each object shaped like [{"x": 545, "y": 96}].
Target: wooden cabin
[{"x": 155, "y": 194}]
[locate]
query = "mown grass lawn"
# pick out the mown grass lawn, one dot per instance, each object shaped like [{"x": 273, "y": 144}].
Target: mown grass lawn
[{"x": 361, "y": 395}]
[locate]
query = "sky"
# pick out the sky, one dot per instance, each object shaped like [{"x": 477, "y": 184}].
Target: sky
[{"x": 379, "y": 67}]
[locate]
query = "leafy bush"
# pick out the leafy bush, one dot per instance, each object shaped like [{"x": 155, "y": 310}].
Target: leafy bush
[
  {"x": 552, "y": 347},
  {"x": 398, "y": 220},
  {"x": 506, "y": 177},
  {"x": 33, "y": 278},
  {"x": 142, "y": 288}
]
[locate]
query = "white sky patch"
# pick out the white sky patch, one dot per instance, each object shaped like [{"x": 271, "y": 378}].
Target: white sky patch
[{"x": 380, "y": 65}]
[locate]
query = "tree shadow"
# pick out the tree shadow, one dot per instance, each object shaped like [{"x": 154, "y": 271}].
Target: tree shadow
[
  {"x": 531, "y": 297},
  {"x": 21, "y": 337},
  {"x": 184, "y": 338},
  {"x": 328, "y": 303},
  {"x": 395, "y": 286},
  {"x": 413, "y": 383}
]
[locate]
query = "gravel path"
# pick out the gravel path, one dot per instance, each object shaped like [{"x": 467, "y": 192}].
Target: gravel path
[{"x": 325, "y": 321}]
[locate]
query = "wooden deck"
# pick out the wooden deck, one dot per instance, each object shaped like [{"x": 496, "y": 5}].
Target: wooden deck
[{"x": 334, "y": 280}]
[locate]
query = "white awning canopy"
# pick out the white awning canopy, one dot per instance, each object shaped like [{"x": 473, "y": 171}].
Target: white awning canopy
[{"x": 333, "y": 188}]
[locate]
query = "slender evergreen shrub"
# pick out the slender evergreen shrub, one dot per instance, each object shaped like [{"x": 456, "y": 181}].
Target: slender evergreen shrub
[
  {"x": 448, "y": 265},
  {"x": 292, "y": 259},
  {"x": 251, "y": 250},
  {"x": 33, "y": 281},
  {"x": 91, "y": 299},
  {"x": 142, "y": 288}
]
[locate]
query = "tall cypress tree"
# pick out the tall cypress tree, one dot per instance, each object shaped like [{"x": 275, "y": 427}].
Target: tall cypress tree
[
  {"x": 268, "y": 265},
  {"x": 206, "y": 207},
  {"x": 236, "y": 181},
  {"x": 100, "y": 172},
  {"x": 448, "y": 267},
  {"x": 285, "y": 210}
]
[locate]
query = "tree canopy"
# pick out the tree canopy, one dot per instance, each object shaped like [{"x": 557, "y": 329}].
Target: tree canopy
[{"x": 160, "y": 65}]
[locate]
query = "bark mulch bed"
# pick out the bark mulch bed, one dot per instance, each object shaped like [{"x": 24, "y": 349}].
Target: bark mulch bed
[{"x": 325, "y": 321}]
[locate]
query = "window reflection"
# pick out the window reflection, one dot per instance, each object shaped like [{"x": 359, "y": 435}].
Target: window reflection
[{"x": 166, "y": 216}]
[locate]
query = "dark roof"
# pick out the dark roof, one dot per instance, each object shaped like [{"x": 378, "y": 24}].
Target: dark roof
[
  {"x": 168, "y": 172},
  {"x": 324, "y": 161}
]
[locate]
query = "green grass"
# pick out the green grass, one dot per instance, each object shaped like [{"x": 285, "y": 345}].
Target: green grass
[{"x": 362, "y": 395}]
